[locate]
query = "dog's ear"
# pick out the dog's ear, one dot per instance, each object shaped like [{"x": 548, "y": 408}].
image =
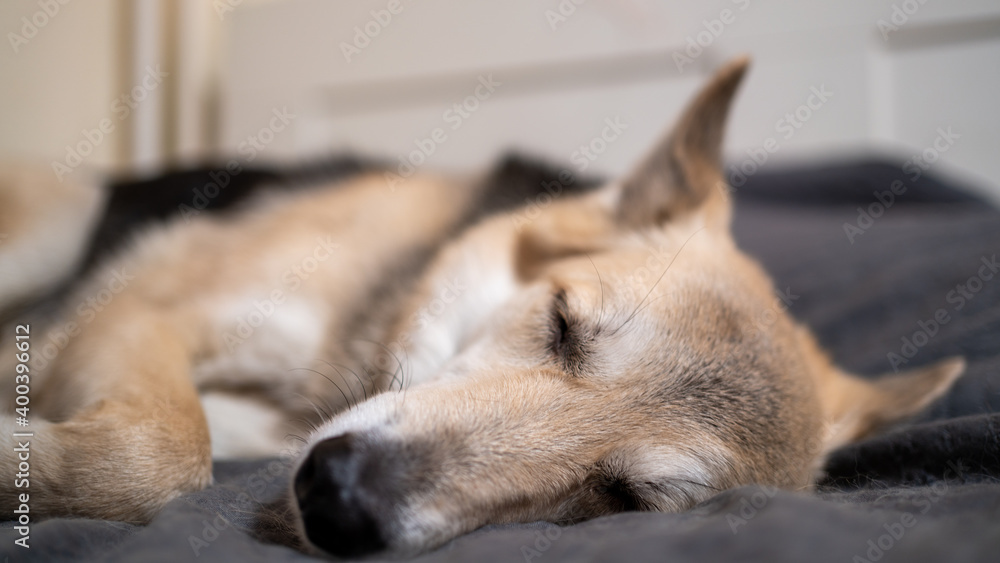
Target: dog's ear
[
  {"x": 857, "y": 408},
  {"x": 683, "y": 174}
]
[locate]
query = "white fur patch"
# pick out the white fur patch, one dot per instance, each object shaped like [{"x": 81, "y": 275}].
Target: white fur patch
[
  {"x": 691, "y": 477},
  {"x": 664, "y": 462},
  {"x": 262, "y": 339},
  {"x": 463, "y": 301},
  {"x": 242, "y": 427}
]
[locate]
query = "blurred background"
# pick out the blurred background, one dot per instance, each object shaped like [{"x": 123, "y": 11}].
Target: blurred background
[{"x": 137, "y": 86}]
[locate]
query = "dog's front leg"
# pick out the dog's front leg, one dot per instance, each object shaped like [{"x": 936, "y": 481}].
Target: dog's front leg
[{"x": 123, "y": 430}]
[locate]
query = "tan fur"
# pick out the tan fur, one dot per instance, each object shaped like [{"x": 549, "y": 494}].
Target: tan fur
[
  {"x": 44, "y": 225},
  {"x": 145, "y": 349},
  {"x": 602, "y": 357}
]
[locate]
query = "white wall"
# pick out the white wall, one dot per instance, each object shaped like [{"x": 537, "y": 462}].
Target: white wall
[
  {"x": 63, "y": 80},
  {"x": 230, "y": 70},
  {"x": 607, "y": 59}
]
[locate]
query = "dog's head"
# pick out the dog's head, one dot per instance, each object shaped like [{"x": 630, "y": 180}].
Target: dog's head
[{"x": 614, "y": 351}]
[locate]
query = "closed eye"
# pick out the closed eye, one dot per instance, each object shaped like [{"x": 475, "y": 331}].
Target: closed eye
[
  {"x": 617, "y": 495},
  {"x": 566, "y": 335},
  {"x": 560, "y": 339}
]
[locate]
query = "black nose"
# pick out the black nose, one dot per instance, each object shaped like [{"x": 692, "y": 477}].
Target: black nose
[{"x": 332, "y": 500}]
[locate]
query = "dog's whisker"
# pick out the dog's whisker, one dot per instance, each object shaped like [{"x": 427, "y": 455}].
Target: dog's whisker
[
  {"x": 600, "y": 282},
  {"x": 657, "y": 282},
  {"x": 409, "y": 370},
  {"x": 697, "y": 483},
  {"x": 651, "y": 301},
  {"x": 364, "y": 389},
  {"x": 304, "y": 423},
  {"x": 346, "y": 400},
  {"x": 320, "y": 413},
  {"x": 350, "y": 404},
  {"x": 389, "y": 351},
  {"x": 372, "y": 374},
  {"x": 325, "y": 408},
  {"x": 688, "y": 499},
  {"x": 328, "y": 406},
  {"x": 296, "y": 437}
]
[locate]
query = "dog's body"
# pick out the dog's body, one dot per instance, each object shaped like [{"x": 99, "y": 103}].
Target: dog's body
[{"x": 600, "y": 356}]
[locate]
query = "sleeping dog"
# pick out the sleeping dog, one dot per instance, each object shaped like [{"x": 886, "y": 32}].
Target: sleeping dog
[{"x": 598, "y": 355}]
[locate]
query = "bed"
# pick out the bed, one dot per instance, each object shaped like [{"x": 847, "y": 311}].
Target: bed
[{"x": 866, "y": 273}]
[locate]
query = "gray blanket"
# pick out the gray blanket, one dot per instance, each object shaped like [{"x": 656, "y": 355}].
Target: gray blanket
[{"x": 927, "y": 491}]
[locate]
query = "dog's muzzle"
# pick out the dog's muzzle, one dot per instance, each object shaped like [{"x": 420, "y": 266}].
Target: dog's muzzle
[{"x": 333, "y": 497}]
